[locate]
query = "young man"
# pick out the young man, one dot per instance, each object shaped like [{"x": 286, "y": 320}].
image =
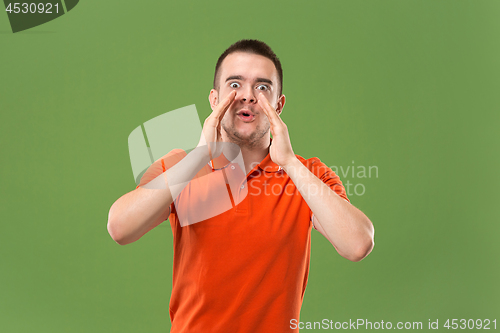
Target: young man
[{"x": 244, "y": 269}]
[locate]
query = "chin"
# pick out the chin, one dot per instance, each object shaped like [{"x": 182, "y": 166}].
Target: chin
[{"x": 244, "y": 135}]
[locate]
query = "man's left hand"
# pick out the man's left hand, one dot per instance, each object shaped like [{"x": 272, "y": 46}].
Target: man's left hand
[{"x": 281, "y": 149}]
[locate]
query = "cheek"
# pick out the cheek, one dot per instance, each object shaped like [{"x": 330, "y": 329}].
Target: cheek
[
  {"x": 272, "y": 98},
  {"x": 226, "y": 118},
  {"x": 265, "y": 121},
  {"x": 223, "y": 92}
]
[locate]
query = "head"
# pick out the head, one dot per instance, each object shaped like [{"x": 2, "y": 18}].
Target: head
[{"x": 249, "y": 67}]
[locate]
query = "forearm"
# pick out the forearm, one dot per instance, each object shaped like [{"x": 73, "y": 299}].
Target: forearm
[
  {"x": 142, "y": 209},
  {"x": 345, "y": 226},
  {"x": 137, "y": 212}
]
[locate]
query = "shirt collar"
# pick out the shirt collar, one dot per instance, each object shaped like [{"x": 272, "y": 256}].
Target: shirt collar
[
  {"x": 266, "y": 164},
  {"x": 219, "y": 162}
]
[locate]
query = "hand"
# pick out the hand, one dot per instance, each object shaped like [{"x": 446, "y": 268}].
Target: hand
[
  {"x": 281, "y": 149},
  {"x": 211, "y": 128}
]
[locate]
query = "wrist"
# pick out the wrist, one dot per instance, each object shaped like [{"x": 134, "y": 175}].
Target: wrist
[{"x": 291, "y": 164}]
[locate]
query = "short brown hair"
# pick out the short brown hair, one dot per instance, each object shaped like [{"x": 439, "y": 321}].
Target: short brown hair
[{"x": 251, "y": 46}]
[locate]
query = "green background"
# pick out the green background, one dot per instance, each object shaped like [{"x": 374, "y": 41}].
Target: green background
[{"x": 408, "y": 86}]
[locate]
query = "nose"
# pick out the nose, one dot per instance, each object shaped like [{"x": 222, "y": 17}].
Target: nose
[{"x": 248, "y": 95}]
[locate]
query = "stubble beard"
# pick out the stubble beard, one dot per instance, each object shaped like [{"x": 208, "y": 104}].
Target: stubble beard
[{"x": 250, "y": 141}]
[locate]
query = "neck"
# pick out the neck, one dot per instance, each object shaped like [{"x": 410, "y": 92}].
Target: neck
[{"x": 252, "y": 153}]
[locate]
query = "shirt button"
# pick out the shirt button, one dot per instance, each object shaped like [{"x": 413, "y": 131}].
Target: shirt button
[
  {"x": 232, "y": 167},
  {"x": 242, "y": 186}
]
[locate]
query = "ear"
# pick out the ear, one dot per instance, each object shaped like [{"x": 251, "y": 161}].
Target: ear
[
  {"x": 213, "y": 97},
  {"x": 280, "y": 104}
]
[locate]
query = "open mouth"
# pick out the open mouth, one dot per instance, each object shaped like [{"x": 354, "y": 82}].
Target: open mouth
[{"x": 245, "y": 115}]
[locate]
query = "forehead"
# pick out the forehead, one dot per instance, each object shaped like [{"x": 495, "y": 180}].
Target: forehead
[{"x": 248, "y": 65}]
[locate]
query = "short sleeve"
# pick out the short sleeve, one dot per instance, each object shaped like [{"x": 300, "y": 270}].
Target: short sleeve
[
  {"x": 161, "y": 165},
  {"x": 329, "y": 177}
]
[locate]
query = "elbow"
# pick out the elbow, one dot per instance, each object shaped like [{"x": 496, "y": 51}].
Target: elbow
[
  {"x": 365, "y": 244},
  {"x": 357, "y": 246},
  {"x": 115, "y": 232},
  {"x": 362, "y": 246},
  {"x": 362, "y": 250}
]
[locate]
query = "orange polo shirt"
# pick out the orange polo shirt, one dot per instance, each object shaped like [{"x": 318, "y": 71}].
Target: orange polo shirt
[{"x": 245, "y": 269}]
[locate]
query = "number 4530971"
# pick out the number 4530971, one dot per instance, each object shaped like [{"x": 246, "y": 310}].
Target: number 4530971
[{"x": 32, "y": 8}]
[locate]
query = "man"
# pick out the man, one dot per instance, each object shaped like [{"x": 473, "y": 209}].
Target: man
[{"x": 244, "y": 269}]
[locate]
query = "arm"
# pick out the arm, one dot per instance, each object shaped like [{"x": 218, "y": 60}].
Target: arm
[
  {"x": 346, "y": 227},
  {"x": 139, "y": 211}
]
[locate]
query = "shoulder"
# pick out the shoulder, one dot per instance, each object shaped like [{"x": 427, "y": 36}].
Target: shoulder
[
  {"x": 325, "y": 174},
  {"x": 313, "y": 163},
  {"x": 171, "y": 158},
  {"x": 161, "y": 165}
]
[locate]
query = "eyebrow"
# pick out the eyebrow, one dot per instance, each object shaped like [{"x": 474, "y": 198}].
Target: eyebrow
[{"x": 259, "y": 79}]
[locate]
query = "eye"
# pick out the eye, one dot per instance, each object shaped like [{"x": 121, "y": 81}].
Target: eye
[
  {"x": 262, "y": 87},
  {"x": 234, "y": 85}
]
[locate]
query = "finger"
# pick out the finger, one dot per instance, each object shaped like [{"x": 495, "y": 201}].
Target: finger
[
  {"x": 264, "y": 104},
  {"x": 222, "y": 107},
  {"x": 211, "y": 127},
  {"x": 268, "y": 109},
  {"x": 268, "y": 112}
]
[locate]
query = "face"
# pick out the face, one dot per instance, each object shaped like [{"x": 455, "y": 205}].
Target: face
[{"x": 244, "y": 122}]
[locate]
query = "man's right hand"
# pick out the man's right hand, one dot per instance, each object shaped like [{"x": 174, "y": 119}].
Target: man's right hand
[
  {"x": 211, "y": 133},
  {"x": 142, "y": 209}
]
